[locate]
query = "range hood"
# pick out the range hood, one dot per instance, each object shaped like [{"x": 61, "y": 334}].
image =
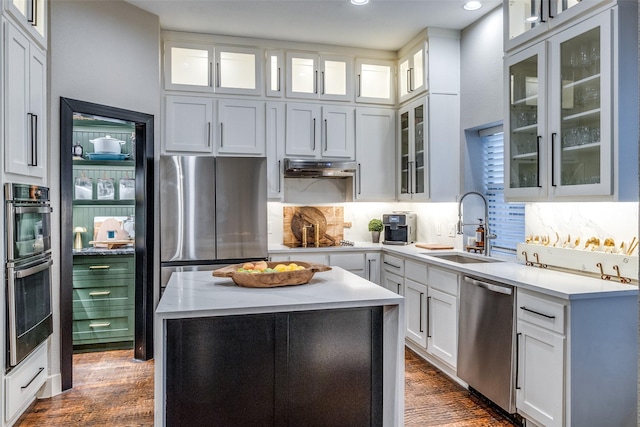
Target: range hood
[{"x": 302, "y": 168}]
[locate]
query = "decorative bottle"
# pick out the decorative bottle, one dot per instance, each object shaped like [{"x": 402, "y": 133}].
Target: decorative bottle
[{"x": 480, "y": 234}]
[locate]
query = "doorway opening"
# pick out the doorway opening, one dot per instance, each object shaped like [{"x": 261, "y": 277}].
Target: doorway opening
[{"x": 124, "y": 185}]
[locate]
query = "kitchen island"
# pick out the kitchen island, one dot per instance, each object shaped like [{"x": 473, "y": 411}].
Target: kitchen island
[{"x": 330, "y": 352}]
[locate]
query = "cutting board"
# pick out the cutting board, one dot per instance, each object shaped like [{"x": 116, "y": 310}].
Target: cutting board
[{"x": 433, "y": 246}]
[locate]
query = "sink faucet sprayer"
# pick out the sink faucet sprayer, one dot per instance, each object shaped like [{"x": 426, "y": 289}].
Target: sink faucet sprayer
[{"x": 488, "y": 235}]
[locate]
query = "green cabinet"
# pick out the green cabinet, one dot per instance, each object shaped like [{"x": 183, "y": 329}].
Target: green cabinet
[{"x": 103, "y": 299}]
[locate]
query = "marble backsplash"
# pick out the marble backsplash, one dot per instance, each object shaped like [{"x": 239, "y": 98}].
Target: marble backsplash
[
  {"x": 598, "y": 219},
  {"x": 436, "y": 221}
]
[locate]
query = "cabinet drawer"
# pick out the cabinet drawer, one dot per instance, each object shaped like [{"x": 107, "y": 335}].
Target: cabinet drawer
[
  {"x": 114, "y": 325},
  {"x": 416, "y": 271},
  {"x": 443, "y": 280},
  {"x": 393, "y": 264},
  {"x": 102, "y": 297},
  {"x": 540, "y": 311},
  {"x": 351, "y": 262},
  {"x": 23, "y": 382},
  {"x": 95, "y": 267}
]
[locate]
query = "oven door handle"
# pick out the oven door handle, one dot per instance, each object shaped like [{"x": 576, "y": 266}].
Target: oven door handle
[
  {"x": 32, "y": 209},
  {"x": 33, "y": 270}
]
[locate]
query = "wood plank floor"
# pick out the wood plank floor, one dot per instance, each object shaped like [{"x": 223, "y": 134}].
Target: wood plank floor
[{"x": 113, "y": 389}]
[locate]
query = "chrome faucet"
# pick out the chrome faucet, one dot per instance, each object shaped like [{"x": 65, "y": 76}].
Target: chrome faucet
[{"x": 487, "y": 234}]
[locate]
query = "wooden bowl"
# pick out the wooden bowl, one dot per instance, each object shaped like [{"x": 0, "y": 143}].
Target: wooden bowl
[{"x": 271, "y": 280}]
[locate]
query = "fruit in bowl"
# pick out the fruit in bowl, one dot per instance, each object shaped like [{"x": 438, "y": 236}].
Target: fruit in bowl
[{"x": 262, "y": 274}]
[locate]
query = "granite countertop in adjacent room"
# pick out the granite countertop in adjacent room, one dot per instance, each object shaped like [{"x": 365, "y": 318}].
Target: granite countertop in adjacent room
[{"x": 126, "y": 250}]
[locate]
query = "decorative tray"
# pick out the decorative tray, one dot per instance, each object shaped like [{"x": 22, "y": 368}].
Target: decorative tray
[
  {"x": 271, "y": 279},
  {"x": 110, "y": 244}
]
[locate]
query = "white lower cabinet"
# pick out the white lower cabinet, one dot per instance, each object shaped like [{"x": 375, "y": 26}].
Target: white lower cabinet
[
  {"x": 23, "y": 382},
  {"x": 363, "y": 264},
  {"x": 415, "y": 295},
  {"x": 442, "y": 332},
  {"x": 539, "y": 387}
]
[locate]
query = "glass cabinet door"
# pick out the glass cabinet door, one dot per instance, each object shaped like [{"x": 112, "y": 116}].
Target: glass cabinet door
[
  {"x": 525, "y": 130},
  {"x": 581, "y": 130},
  {"x": 419, "y": 169},
  {"x": 188, "y": 67},
  {"x": 524, "y": 15},
  {"x": 404, "y": 153}
]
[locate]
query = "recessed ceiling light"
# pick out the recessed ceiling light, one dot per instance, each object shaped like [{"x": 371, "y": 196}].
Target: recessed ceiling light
[
  {"x": 472, "y": 5},
  {"x": 359, "y": 2}
]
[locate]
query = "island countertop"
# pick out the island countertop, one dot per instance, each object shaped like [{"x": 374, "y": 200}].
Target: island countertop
[{"x": 198, "y": 293}]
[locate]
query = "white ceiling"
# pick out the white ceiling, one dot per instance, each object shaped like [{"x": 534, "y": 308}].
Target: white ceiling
[{"x": 382, "y": 24}]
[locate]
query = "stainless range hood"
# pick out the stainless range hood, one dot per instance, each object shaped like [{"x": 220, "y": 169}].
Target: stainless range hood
[{"x": 302, "y": 168}]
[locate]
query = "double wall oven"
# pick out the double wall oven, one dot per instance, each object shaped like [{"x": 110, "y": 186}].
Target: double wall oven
[{"x": 28, "y": 269}]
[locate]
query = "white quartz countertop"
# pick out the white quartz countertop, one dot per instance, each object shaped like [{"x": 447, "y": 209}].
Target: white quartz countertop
[
  {"x": 199, "y": 294},
  {"x": 552, "y": 282}
]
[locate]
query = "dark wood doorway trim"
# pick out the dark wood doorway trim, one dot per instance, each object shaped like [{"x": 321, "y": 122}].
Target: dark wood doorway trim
[{"x": 144, "y": 240}]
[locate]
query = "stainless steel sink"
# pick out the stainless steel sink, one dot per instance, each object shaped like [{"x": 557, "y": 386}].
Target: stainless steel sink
[{"x": 461, "y": 258}]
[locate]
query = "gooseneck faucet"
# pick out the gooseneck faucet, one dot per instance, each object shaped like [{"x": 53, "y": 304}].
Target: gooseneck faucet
[{"x": 487, "y": 235}]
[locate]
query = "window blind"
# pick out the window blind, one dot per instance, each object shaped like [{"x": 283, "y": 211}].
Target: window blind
[{"x": 506, "y": 220}]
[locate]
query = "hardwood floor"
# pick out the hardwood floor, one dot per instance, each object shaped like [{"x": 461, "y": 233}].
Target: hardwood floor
[{"x": 113, "y": 389}]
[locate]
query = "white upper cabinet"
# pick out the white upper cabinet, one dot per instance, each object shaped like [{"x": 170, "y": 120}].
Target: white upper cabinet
[
  {"x": 32, "y": 16},
  {"x": 375, "y": 81},
  {"x": 564, "y": 127},
  {"x": 320, "y": 131},
  {"x": 241, "y": 127},
  {"x": 375, "y": 154},
  {"x": 188, "y": 66},
  {"x": 313, "y": 76},
  {"x": 274, "y": 71},
  {"x": 189, "y": 124},
  {"x": 526, "y": 19},
  {"x": 275, "y": 137},
  {"x": 238, "y": 70},
  {"x": 412, "y": 72},
  {"x": 25, "y": 89},
  {"x": 413, "y": 152},
  {"x": 220, "y": 69}
]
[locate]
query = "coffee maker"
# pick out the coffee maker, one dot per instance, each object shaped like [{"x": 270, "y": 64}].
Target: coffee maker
[{"x": 399, "y": 228}]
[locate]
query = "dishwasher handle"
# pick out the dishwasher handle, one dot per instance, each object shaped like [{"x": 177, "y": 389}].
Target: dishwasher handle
[{"x": 493, "y": 287}]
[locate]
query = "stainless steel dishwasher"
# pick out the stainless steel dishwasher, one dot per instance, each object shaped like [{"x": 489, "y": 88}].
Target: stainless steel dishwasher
[{"x": 486, "y": 340}]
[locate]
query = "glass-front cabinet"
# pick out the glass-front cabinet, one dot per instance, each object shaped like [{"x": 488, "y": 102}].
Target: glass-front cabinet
[
  {"x": 375, "y": 81},
  {"x": 32, "y": 16},
  {"x": 526, "y": 19},
  {"x": 560, "y": 140},
  {"x": 313, "y": 76},
  {"x": 413, "y": 152}
]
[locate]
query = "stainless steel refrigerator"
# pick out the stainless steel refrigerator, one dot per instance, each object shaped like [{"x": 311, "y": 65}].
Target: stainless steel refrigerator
[{"x": 213, "y": 212}]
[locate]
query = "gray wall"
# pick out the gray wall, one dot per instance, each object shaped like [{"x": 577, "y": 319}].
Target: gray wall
[
  {"x": 107, "y": 52},
  {"x": 481, "y": 86}
]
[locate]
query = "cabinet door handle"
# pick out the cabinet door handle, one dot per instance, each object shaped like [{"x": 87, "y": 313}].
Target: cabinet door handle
[
  {"x": 420, "y": 312},
  {"x": 100, "y": 325},
  {"x": 538, "y": 139},
  {"x": 208, "y": 134},
  {"x": 34, "y": 136},
  {"x": 408, "y": 80},
  {"x": 278, "y": 86},
  {"x": 210, "y": 84},
  {"x": 398, "y": 292},
  {"x": 359, "y": 86},
  {"x": 549, "y": 6},
  {"x": 359, "y": 178},
  {"x": 32, "y": 379},
  {"x": 99, "y": 293},
  {"x": 409, "y": 178},
  {"x": 518, "y": 360},
  {"x": 553, "y": 159},
  {"x": 30, "y": 135},
  {"x": 428, "y": 310},
  {"x": 31, "y": 12},
  {"x": 326, "y": 136},
  {"x": 279, "y": 176},
  {"x": 99, "y": 267},
  {"x": 391, "y": 265},
  {"x": 541, "y": 11},
  {"x": 315, "y": 83},
  {"x": 217, "y": 74},
  {"x": 314, "y": 135},
  {"x": 548, "y": 316},
  {"x": 221, "y": 135},
  {"x": 369, "y": 269},
  {"x": 323, "y": 82}
]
